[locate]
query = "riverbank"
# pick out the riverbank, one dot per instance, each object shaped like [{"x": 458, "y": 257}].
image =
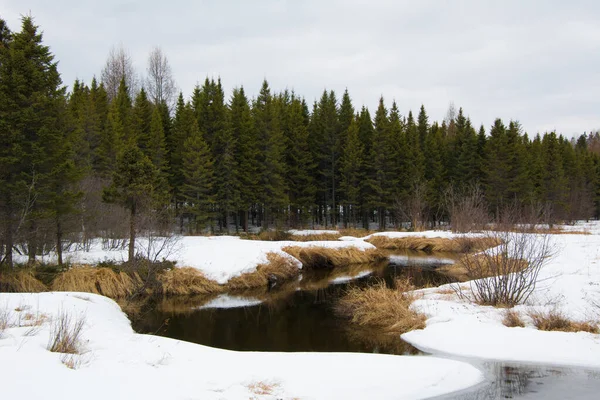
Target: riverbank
[
  {"x": 568, "y": 285},
  {"x": 117, "y": 363}
]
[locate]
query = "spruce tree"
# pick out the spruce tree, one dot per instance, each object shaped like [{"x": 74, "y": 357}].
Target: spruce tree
[
  {"x": 133, "y": 187},
  {"x": 351, "y": 174},
  {"x": 300, "y": 183},
  {"x": 246, "y": 153},
  {"x": 32, "y": 107},
  {"x": 198, "y": 179}
]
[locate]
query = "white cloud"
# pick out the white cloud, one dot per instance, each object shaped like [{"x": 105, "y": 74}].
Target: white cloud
[{"x": 535, "y": 61}]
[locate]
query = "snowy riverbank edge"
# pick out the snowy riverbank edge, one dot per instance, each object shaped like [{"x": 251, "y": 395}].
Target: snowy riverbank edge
[
  {"x": 569, "y": 283},
  {"x": 117, "y": 363}
]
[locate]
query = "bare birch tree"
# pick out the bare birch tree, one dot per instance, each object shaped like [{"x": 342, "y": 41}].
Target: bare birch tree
[
  {"x": 119, "y": 65},
  {"x": 160, "y": 84}
]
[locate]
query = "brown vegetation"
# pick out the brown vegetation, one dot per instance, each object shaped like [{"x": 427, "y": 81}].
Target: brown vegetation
[
  {"x": 102, "y": 281},
  {"x": 512, "y": 319},
  {"x": 556, "y": 321},
  {"x": 65, "y": 334},
  {"x": 383, "y": 308},
  {"x": 356, "y": 232},
  {"x": 186, "y": 281},
  {"x": 279, "y": 268},
  {"x": 315, "y": 257},
  {"x": 262, "y": 388},
  {"x": 477, "y": 266},
  {"x": 457, "y": 245},
  {"x": 499, "y": 280},
  {"x": 313, "y": 237},
  {"x": 20, "y": 281}
]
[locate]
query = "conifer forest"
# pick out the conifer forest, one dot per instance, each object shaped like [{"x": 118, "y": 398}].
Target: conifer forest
[{"x": 118, "y": 156}]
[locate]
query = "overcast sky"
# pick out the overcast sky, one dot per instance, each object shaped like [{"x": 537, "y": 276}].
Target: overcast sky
[{"x": 535, "y": 61}]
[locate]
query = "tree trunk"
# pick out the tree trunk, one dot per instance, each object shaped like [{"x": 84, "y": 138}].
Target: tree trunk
[
  {"x": 59, "y": 252},
  {"x": 32, "y": 244},
  {"x": 132, "y": 228},
  {"x": 8, "y": 237}
]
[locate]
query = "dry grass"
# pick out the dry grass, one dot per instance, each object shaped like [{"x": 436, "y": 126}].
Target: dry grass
[
  {"x": 383, "y": 308},
  {"x": 185, "y": 282},
  {"x": 5, "y": 317},
  {"x": 65, "y": 334},
  {"x": 316, "y": 257},
  {"x": 262, "y": 388},
  {"x": 315, "y": 237},
  {"x": 556, "y": 321},
  {"x": 512, "y": 319},
  {"x": 462, "y": 273},
  {"x": 430, "y": 245},
  {"x": 278, "y": 269},
  {"x": 21, "y": 281},
  {"x": 102, "y": 281}
]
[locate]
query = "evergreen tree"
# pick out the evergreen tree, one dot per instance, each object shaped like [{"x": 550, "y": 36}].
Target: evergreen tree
[
  {"x": 351, "y": 173},
  {"x": 198, "y": 173},
  {"x": 246, "y": 152},
  {"x": 300, "y": 184},
  {"x": 271, "y": 156},
  {"x": 31, "y": 111},
  {"x": 133, "y": 187}
]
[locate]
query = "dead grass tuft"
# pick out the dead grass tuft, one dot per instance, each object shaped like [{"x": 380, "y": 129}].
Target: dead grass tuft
[
  {"x": 316, "y": 257},
  {"x": 383, "y": 308},
  {"x": 262, "y": 388},
  {"x": 5, "y": 317},
  {"x": 186, "y": 281},
  {"x": 556, "y": 321},
  {"x": 278, "y": 269},
  {"x": 512, "y": 319},
  {"x": 102, "y": 281},
  {"x": 65, "y": 333},
  {"x": 21, "y": 281},
  {"x": 315, "y": 237},
  {"x": 430, "y": 245},
  {"x": 356, "y": 232}
]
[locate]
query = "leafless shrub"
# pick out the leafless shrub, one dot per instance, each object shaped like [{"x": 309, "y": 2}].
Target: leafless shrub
[
  {"x": 65, "y": 333},
  {"x": 506, "y": 275},
  {"x": 467, "y": 210},
  {"x": 414, "y": 207}
]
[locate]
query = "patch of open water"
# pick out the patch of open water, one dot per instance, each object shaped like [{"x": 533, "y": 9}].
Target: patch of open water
[{"x": 300, "y": 317}]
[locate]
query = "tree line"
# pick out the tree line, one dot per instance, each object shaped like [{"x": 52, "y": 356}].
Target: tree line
[{"x": 116, "y": 156}]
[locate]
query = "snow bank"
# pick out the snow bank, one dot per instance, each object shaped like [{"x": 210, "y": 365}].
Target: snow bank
[
  {"x": 307, "y": 232},
  {"x": 218, "y": 257},
  {"x": 120, "y": 364},
  {"x": 569, "y": 283}
]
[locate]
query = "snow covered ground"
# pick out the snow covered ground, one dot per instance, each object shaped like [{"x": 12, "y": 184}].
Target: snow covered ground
[
  {"x": 219, "y": 257},
  {"x": 120, "y": 364},
  {"x": 569, "y": 283}
]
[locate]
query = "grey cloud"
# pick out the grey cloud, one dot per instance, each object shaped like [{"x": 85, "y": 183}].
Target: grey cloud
[{"x": 535, "y": 61}]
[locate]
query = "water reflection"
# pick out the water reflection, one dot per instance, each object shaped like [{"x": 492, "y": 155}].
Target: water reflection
[{"x": 511, "y": 381}]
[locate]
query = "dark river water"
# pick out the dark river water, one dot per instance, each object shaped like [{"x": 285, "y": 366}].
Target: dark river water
[{"x": 300, "y": 317}]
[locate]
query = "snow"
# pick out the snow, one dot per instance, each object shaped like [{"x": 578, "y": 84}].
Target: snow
[
  {"x": 419, "y": 260},
  {"x": 348, "y": 278},
  {"x": 231, "y": 301},
  {"x": 218, "y": 257},
  {"x": 569, "y": 283},
  {"x": 120, "y": 364},
  {"x": 307, "y": 232}
]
